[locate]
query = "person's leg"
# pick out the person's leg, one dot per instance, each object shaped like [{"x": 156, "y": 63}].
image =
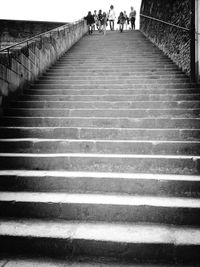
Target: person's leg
[
  {"x": 100, "y": 26},
  {"x": 88, "y": 29},
  {"x": 132, "y": 24},
  {"x": 111, "y": 25},
  {"x": 91, "y": 28},
  {"x": 104, "y": 29}
]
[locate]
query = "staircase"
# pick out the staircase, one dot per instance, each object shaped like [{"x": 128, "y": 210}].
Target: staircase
[{"x": 101, "y": 157}]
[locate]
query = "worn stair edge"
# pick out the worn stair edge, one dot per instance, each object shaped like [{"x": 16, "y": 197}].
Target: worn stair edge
[
  {"x": 84, "y": 182},
  {"x": 101, "y": 133},
  {"x": 112, "y": 98},
  {"x": 138, "y": 243},
  {"x": 36, "y": 145},
  {"x": 110, "y": 91},
  {"x": 103, "y": 122},
  {"x": 140, "y": 85},
  {"x": 97, "y": 207},
  {"x": 107, "y": 105},
  {"x": 113, "y": 113},
  {"x": 161, "y": 164}
]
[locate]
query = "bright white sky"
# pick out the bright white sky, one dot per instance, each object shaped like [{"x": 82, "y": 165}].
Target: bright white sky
[{"x": 61, "y": 10}]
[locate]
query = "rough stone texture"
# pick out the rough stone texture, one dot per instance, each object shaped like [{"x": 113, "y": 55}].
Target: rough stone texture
[
  {"x": 14, "y": 31},
  {"x": 24, "y": 64},
  {"x": 173, "y": 41}
]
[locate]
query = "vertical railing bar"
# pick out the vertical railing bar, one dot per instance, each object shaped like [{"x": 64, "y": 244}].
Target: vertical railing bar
[{"x": 192, "y": 43}]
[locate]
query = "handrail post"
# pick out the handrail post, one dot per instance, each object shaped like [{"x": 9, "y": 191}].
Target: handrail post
[
  {"x": 9, "y": 59},
  {"x": 192, "y": 43}
]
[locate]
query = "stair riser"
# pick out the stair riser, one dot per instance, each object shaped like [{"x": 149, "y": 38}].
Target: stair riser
[
  {"x": 112, "y": 98},
  {"x": 107, "y": 105},
  {"x": 97, "y": 133},
  {"x": 109, "y": 91},
  {"x": 143, "y": 164},
  {"x": 104, "y": 69},
  {"x": 111, "y": 81},
  {"x": 53, "y": 77},
  {"x": 144, "y": 123},
  {"x": 100, "y": 147},
  {"x": 111, "y": 73},
  {"x": 101, "y": 212},
  {"x": 115, "y": 62},
  {"x": 134, "y": 252},
  {"x": 154, "y": 187},
  {"x": 115, "y": 59},
  {"x": 163, "y": 65},
  {"x": 114, "y": 86},
  {"x": 192, "y": 113}
]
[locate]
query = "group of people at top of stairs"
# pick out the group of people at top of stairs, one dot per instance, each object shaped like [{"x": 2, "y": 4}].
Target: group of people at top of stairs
[{"x": 100, "y": 21}]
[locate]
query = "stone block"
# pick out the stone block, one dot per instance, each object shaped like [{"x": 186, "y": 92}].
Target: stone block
[
  {"x": 26, "y": 63},
  {"x": 173, "y": 41},
  {"x": 3, "y": 72},
  {"x": 3, "y": 87},
  {"x": 14, "y": 80}
]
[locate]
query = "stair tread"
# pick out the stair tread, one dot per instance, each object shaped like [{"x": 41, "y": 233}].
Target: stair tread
[
  {"x": 100, "y": 199},
  {"x": 155, "y": 142},
  {"x": 95, "y": 155},
  {"x": 110, "y": 232},
  {"x": 113, "y": 175}
]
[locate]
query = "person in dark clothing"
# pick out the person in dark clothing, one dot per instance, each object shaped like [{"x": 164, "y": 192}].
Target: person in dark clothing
[
  {"x": 90, "y": 21},
  {"x": 100, "y": 18},
  {"x": 132, "y": 18},
  {"x": 121, "y": 21}
]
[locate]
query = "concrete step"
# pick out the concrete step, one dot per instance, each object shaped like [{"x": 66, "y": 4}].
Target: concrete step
[
  {"x": 108, "y": 105},
  {"x": 110, "y": 72},
  {"x": 103, "y": 183},
  {"x": 136, "y": 243},
  {"x": 124, "y": 64},
  {"x": 113, "y": 58},
  {"x": 113, "y": 113},
  {"x": 113, "y": 81},
  {"x": 78, "y": 261},
  {"x": 130, "y": 68},
  {"x": 110, "y": 76},
  {"x": 103, "y": 122},
  {"x": 77, "y": 90},
  {"x": 97, "y": 207},
  {"x": 114, "y": 86},
  {"x": 101, "y": 133},
  {"x": 96, "y": 77},
  {"x": 114, "y": 62},
  {"x": 130, "y": 163},
  {"x": 151, "y": 147},
  {"x": 112, "y": 98}
]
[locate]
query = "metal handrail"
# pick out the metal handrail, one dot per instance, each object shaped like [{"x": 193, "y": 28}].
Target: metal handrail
[
  {"x": 165, "y": 22},
  {"x": 39, "y": 35}
]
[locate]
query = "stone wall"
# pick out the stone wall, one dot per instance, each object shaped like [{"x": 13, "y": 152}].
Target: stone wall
[
  {"x": 24, "y": 64},
  {"x": 173, "y": 41},
  {"x": 14, "y": 31}
]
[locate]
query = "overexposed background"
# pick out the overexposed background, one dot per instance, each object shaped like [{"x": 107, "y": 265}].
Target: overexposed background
[{"x": 62, "y": 10}]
